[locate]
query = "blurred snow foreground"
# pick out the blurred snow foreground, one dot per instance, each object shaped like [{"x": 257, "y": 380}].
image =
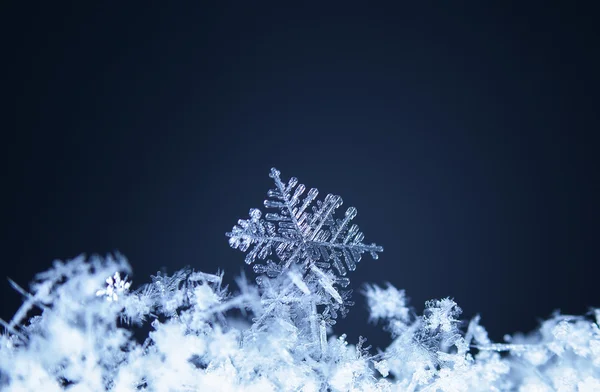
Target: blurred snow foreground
[{"x": 75, "y": 329}]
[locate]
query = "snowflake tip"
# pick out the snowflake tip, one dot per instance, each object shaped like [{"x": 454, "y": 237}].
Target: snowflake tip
[
  {"x": 274, "y": 173},
  {"x": 255, "y": 214}
]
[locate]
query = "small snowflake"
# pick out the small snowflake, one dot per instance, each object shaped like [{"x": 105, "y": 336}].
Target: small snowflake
[{"x": 115, "y": 286}]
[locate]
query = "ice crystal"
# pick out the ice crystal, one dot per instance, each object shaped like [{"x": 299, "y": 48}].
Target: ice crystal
[
  {"x": 306, "y": 240},
  {"x": 115, "y": 286},
  {"x": 74, "y": 330},
  {"x": 298, "y": 234}
]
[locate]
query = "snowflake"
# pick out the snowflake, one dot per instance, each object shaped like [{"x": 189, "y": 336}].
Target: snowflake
[
  {"x": 307, "y": 236},
  {"x": 297, "y": 235},
  {"x": 115, "y": 287}
]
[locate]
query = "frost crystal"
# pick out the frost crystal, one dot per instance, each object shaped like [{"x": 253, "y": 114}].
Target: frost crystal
[{"x": 74, "y": 329}]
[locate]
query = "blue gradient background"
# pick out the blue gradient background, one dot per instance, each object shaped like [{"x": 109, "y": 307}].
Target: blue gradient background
[{"x": 466, "y": 136}]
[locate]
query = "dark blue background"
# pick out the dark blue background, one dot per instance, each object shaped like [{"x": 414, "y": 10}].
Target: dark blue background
[{"x": 466, "y": 136}]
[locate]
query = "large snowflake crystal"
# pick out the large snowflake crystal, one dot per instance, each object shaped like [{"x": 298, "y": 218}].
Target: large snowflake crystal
[
  {"x": 298, "y": 234},
  {"x": 307, "y": 241}
]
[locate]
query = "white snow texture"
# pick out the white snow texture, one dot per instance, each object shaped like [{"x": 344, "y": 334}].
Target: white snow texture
[{"x": 78, "y": 328}]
